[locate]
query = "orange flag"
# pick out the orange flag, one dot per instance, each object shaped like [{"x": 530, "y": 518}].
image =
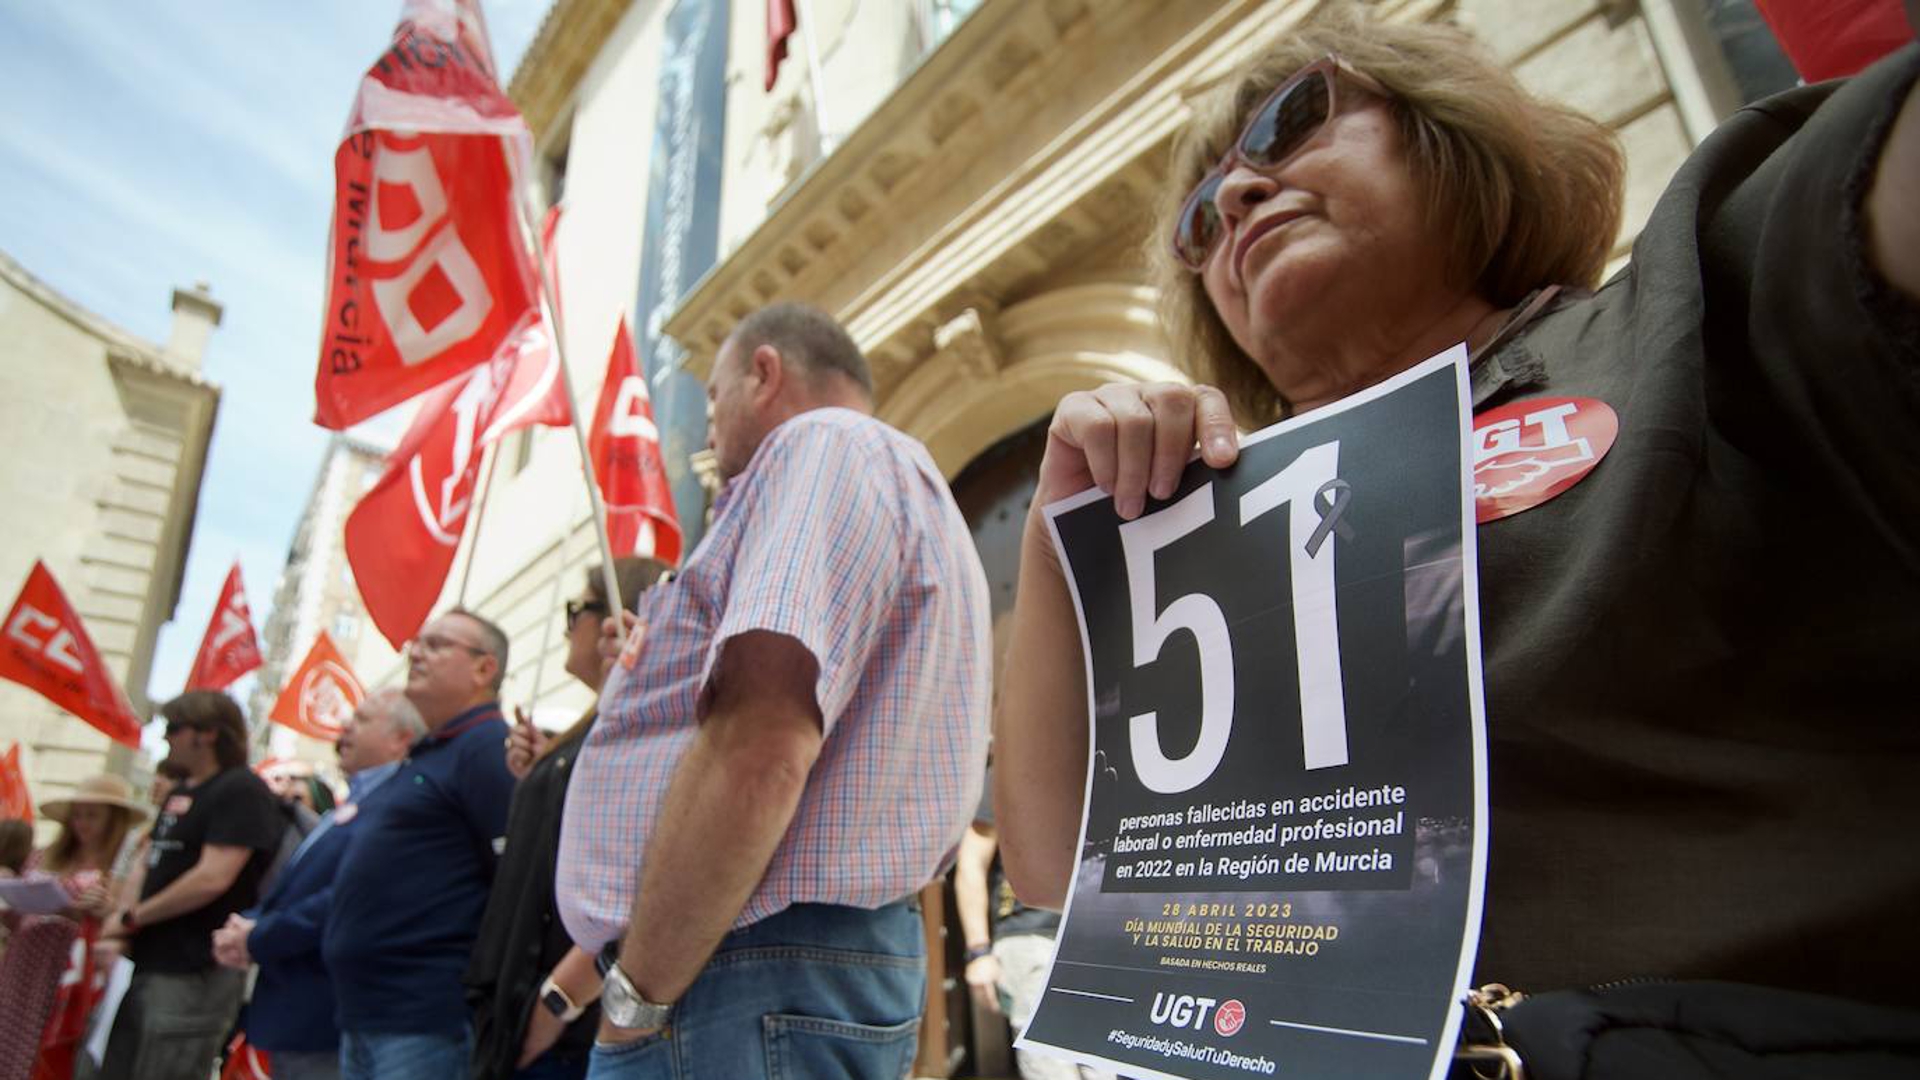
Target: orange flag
[
  {"x": 14, "y": 800},
  {"x": 45, "y": 648},
  {"x": 322, "y": 695}
]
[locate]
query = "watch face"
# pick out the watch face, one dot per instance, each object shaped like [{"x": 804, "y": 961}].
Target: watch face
[{"x": 555, "y": 1001}]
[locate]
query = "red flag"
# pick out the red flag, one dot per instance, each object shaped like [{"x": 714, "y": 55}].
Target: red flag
[
  {"x": 427, "y": 271},
  {"x": 246, "y": 1061},
  {"x": 322, "y": 695},
  {"x": 15, "y": 802},
  {"x": 781, "y": 22},
  {"x": 46, "y": 649},
  {"x": 626, "y": 459},
  {"x": 1832, "y": 39},
  {"x": 230, "y": 648},
  {"x": 401, "y": 538}
]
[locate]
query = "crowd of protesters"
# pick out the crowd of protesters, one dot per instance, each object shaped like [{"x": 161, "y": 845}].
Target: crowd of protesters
[{"x": 716, "y": 869}]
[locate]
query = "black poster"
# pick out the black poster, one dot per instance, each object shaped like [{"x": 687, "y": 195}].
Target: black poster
[{"x": 1282, "y": 854}]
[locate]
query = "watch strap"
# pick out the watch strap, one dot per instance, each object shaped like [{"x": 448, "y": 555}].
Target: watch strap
[{"x": 559, "y": 1002}]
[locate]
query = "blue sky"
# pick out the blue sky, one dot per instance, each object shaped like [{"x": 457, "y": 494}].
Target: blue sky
[{"x": 149, "y": 145}]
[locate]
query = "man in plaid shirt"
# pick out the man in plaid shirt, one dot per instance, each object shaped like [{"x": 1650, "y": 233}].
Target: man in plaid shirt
[{"x": 790, "y": 739}]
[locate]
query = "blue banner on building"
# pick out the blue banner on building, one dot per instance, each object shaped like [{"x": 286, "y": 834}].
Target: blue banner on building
[{"x": 682, "y": 235}]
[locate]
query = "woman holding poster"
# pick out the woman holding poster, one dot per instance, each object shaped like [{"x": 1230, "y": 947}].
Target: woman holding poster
[{"x": 1697, "y": 491}]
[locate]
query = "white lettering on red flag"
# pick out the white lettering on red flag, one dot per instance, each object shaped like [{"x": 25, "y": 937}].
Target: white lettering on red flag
[
  {"x": 44, "y": 647},
  {"x": 230, "y": 648},
  {"x": 401, "y": 538},
  {"x": 427, "y": 271},
  {"x": 626, "y": 459}
]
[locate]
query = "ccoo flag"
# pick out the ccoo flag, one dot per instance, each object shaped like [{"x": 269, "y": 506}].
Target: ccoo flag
[
  {"x": 322, "y": 695},
  {"x": 626, "y": 459},
  {"x": 427, "y": 272},
  {"x": 230, "y": 648},
  {"x": 401, "y": 538},
  {"x": 46, "y": 649}
]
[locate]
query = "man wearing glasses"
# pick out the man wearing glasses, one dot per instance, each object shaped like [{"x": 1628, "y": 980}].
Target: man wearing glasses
[
  {"x": 216, "y": 834},
  {"x": 410, "y": 889}
]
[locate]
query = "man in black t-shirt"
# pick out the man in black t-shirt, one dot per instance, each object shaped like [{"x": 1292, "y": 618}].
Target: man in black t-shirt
[{"x": 216, "y": 835}]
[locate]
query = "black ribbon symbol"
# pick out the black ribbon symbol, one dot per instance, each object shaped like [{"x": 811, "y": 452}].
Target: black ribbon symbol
[{"x": 1330, "y": 502}]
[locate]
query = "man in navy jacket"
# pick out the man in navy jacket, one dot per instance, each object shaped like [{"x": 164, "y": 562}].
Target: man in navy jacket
[
  {"x": 291, "y": 1014},
  {"x": 408, "y": 896}
]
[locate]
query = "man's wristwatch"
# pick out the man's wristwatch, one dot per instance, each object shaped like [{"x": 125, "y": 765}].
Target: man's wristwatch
[
  {"x": 558, "y": 1003},
  {"x": 623, "y": 1006}
]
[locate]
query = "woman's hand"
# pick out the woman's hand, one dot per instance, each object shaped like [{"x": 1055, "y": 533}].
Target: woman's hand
[
  {"x": 94, "y": 901},
  {"x": 1133, "y": 440},
  {"x": 983, "y": 982},
  {"x": 524, "y": 744}
]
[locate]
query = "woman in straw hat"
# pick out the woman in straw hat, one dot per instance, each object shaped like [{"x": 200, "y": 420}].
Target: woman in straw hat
[{"x": 94, "y": 825}]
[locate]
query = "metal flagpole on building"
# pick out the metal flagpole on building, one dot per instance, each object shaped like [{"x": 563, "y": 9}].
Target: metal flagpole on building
[{"x": 807, "y": 30}]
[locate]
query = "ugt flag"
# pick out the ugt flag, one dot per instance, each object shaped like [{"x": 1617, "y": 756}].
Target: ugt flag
[
  {"x": 322, "y": 694},
  {"x": 401, "y": 538},
  {"x": 626, "y": 460},
  {"x": 230, "y": 648},
  {"x": 46, "y": 649},
  {"x": 427, "y": 271}
]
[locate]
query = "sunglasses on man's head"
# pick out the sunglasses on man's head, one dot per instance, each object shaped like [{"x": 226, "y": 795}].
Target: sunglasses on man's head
[
  {"x": 175, "y": 727},
  {"x": 1285, "y": 122}
]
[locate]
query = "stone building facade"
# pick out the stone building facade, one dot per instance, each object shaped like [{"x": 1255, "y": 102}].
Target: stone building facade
[
  {"x": 316, "y": 592},
  {"x": 105, "y": 437}
]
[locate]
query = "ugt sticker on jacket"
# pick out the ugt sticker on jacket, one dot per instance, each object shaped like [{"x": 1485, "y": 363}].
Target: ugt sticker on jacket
[{"x": 1282, "y": 855}]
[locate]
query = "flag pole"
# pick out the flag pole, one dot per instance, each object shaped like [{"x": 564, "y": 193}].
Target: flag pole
[
  {"x": 479, "y": 516},
  {"x": 824, "y": 141},
  {"x": 552, "y": 315}
]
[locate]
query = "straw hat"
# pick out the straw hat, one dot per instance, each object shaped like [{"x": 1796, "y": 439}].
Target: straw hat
[{"x": 100, "y": 790}]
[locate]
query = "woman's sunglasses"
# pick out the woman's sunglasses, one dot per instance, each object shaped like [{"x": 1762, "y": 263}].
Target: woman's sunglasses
[{"x": 1286, "y": 121}]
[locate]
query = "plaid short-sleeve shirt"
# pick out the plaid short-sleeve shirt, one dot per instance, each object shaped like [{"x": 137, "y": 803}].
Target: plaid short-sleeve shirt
[{"x": 842, "y": 535}]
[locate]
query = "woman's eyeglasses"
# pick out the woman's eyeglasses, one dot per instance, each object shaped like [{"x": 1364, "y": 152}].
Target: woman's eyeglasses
[
  {"x": 577, "y": 608},
  {"x": 1285, "y": 122}
]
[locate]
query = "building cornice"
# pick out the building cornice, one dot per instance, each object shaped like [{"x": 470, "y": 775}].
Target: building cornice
[
  {"x": 123, "y": 347},
  {"x": 893, "y": 234},
  {"x": 570, "y": 38}
]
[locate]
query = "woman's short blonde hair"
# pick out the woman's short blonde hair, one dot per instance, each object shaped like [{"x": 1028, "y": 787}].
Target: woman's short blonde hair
[{"x": 1531, "y": 190}]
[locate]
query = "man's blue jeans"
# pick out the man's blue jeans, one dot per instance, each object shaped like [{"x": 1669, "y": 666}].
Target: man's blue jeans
[
  {"x": 382, "y": 1055},
  {"x": 817, "y": 991}
]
